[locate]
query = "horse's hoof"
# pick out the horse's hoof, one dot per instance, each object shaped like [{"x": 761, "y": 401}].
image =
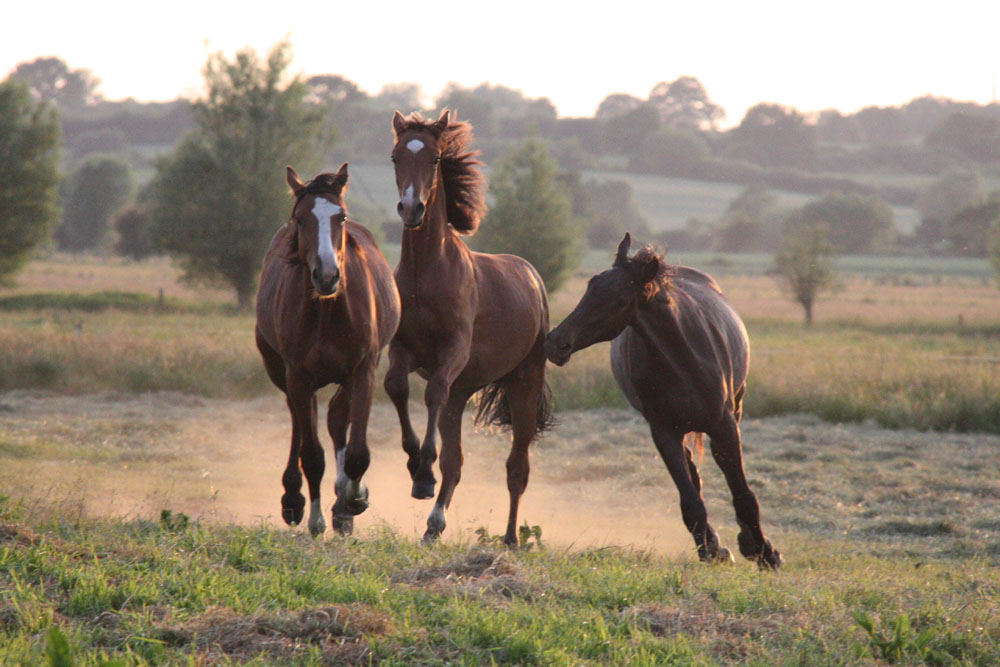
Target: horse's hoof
[
  {"x": 724, "y": 556},
  {"x": 423, "y": 490},
  {"x": 430, "y": 538},
  {"x": 343, "y": 525},
  {"x": 317, "y": 527},
  {"x": 770, "y": 558},
  {"x": 293, "y": 508},
  {"x": 352, "y": 507}
]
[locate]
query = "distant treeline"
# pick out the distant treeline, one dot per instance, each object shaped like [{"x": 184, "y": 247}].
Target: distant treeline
[{"x": 674, "y": 132}]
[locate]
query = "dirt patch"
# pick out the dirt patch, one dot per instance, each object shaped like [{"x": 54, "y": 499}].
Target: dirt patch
[{"x": 596, "y": 480}]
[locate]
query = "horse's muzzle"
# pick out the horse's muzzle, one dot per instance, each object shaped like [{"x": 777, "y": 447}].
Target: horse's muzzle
[
  {"x": 325, "y": 285},
  {"x": 412, "y": 215},
  {"x": 558, "y": 350}
]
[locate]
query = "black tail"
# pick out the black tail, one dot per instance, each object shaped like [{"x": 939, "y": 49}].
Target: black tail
[{"x": 494, "y": 408}]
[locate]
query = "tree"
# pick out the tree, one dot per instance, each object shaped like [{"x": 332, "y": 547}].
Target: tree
[
  {"x": 804, "y": 262},
  {"x": 973, "y": 136},
  {"x": 617, "y": 104},
  {"x": 684, "y": 104},
  {"x": 51, "y": 80},
  {"x": 93, "y": 194},
  {"x": 953, "y": 191},
  {"x": 774, "y": 135},
  {"x": 216, "y": 201},
  {"x": 749, "y": 222},
  {"x": 855, "y": 223},
  {"x": 994, "y": 244},
  {"x": 530, "y": 216},
  {"x": 607, "y": 209},
  {"x": 968, "y": 231},
  {"x": 29, "y": 174}
]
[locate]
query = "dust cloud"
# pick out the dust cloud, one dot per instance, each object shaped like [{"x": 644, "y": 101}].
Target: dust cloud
[{"x": 595, "y": 480}]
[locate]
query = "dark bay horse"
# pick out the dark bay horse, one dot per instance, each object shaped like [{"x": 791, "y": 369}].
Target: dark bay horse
[
  {"x": 326, "y": 307},
  {"x": 680, "y": 354},
  {"x": 471, "y": 321}
]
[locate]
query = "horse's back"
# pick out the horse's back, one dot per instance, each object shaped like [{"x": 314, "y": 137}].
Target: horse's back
[
  {"x": 698, "y": 358},
  {"x": 510, "y": 285}
]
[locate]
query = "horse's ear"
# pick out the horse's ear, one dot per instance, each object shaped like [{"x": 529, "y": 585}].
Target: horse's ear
[
  {"x": 294, "y": 182},
  {"x": 443, "y": 122},
  {"x": 341, "y": 178},
  {"x": 398, "y": 122},
  {"x": 621, "y": 256}
]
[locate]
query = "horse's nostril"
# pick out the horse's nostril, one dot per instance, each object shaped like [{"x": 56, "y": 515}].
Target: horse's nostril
[
  {"x": 420, "y": 210},
  {"x": 399, "y": 208},
  {"x": 317, "y": 274}
]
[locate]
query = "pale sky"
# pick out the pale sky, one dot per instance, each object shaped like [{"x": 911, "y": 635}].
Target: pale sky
[{"x": 809, "y": 55}]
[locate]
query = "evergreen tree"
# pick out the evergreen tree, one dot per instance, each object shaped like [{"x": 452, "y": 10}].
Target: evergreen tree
[{"x": 531, "y": 214}]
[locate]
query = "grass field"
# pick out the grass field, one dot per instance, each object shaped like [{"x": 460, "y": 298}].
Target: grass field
[
  {"x": 665, "y": 203},
  {"x": 890, "y": 538},
  {"x": 141, "y": 449}
]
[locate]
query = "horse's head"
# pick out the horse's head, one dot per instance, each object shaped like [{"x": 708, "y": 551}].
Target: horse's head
[
  {"x": 610, "y": 303},
  {"x": 416, "y": 157},
  {"x": 319, "y": 216}
]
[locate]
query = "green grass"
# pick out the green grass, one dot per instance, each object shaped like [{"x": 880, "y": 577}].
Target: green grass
[{"x": 175, "y": 591}]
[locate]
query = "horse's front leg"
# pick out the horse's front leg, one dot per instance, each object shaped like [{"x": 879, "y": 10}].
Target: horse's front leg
[
  {"x": 352, "y": 493},
  {"x": 670, "y": 444},
  {"x": 450, "y": 429},
  {"x": 453, "y": 357},
  {"x": 337, "y": 416},
  {"x": 307, "y": 449},
  {"x": 397, "y": 386}
]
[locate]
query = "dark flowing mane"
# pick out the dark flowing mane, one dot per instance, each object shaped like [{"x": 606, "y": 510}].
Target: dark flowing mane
[
  {"x": 325, "y": 183},
  {"x": 464, "y": 182},
  {"x": 662, "y": 280}
]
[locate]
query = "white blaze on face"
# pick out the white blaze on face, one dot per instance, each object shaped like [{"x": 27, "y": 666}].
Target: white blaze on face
[
  {"x": 324, "y": 211},
  {"x": 408, "y": 199},
  {"x": 415, "y": 145}
]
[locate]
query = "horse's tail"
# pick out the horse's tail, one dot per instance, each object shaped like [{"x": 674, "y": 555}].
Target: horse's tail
[
  {"x": 695, "y": 442},
  {"x": 494, "y": 407}
]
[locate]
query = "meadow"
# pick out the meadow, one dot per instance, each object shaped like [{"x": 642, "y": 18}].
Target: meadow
[
  {"x": 667, "y": 203},
  {"x": 141, "y": 449}
]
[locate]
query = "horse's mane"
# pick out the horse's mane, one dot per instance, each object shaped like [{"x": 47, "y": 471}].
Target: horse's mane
[
  {"x": 325, "y": 183},
  {"x": 662, "y": 281},
  {"x": 464, "y": 182}
]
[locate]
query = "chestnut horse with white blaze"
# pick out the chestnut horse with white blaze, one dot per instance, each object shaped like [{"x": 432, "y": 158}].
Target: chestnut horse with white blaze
[
  {"x": 680, "y": 354},
  {"x": 471, "y": 321},
  {"x": 326, "y": 306}
]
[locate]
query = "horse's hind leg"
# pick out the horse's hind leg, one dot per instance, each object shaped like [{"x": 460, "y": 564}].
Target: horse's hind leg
[
  {"x": 523, "y": 389},
  {"x": 450, "y": 428},
  {"x": 397, "y": 386},
  {"x": 670, "y": 444},
  {"x": 727, "y": 450}
]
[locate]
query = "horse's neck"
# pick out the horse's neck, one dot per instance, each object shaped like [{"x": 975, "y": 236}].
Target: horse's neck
[{"x": 424, "y": 246}]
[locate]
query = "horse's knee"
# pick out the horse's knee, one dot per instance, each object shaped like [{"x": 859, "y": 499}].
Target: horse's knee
[{"x": 396, "y": 384}]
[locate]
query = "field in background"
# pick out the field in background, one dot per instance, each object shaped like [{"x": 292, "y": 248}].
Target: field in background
[
  {"x": 666, "y": 203},
  {"x": 905, "y": 349}
]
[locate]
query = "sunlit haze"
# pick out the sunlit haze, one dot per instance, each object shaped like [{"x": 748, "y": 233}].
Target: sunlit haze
[{"x": 845, "y": 55}]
